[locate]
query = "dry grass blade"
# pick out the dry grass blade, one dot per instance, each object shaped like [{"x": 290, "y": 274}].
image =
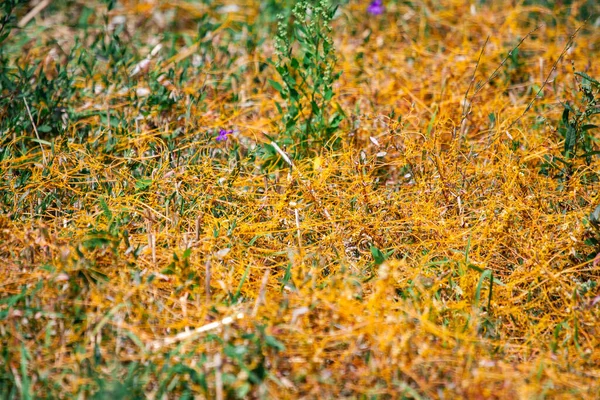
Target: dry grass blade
[{"x": 189, "y": 335}]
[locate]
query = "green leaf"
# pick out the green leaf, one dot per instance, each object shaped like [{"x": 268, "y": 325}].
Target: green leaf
[
  {"x": 114, "y": 121},
  {"x": 277, "y": 86},
  {"x": 143, "y": 183},
  {"x": 96, "y": 243},
  {"x": 243, "y": 390},
  {"x": 274, "y": 343},
  {"x": 294, "y": 63},
  {"x": 294, "y": 95},
  {"x": 475, "y": 268},
  {"x": 47, "y": 143},
  {"x": 12, "y": 300},
  {"x": 378, "y": 256},
  {"x": 589, "y": 78},
  {"x": 570, "y": 140},
  {"x": 278, "y": 108},
  {"x": 105, "y": 209},
  {"x": 591, "y": 153},
  {"x": 594, "y": 218},
  {"x": 314, "y": 107},
  {"x": 3, "y": 36},
  {"x": 592, "y": 111},
  {"x": 335, "y": 121},
  {"x": 486, "y": 274},
  {"x": 568, "y": 108}
]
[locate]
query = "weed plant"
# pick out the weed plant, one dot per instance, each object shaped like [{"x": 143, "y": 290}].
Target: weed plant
[
  {"x": 263, "y": 199},
  {"x": 307, "y": 75}
]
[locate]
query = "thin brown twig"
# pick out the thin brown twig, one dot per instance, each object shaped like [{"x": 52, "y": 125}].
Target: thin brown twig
[
  {"x": 465, "y": 108},
  {"x": 37, "y": 135},
  {"x": 207, "y": 280},
  {"x": 562, "y": 54},
  {"x": 491, "y": 77},
  {"x": 34, "y": 11},
  {"x": 182, "y": 336}
]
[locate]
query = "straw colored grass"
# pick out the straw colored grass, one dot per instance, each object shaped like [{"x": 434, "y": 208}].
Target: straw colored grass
[{"x": 112, "y": 258}]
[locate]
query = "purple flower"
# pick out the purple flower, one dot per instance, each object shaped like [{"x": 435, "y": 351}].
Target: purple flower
[
  {"x": 223, "y": 135},
  {"x": 376, "y": 7}
]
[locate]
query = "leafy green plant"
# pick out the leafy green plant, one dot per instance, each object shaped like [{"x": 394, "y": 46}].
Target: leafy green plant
[
  {"x": 577, "y": 129},
  {"x": 305, "y": 65},
  {"x": 579, "y": 142},
  {"x": 7, "y": 18}
]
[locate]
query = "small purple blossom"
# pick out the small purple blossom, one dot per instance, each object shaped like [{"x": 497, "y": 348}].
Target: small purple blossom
[
  {"x": 223, "y": 135},
  {"x": 376, "y": 7}
]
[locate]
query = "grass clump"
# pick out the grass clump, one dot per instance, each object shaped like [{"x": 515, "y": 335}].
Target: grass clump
[{"x": 197, "y": 200}]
